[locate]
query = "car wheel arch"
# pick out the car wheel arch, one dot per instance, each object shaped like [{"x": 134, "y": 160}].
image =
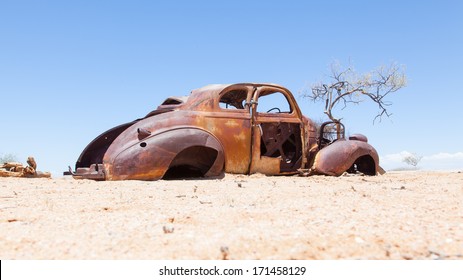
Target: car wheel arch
[
  {"x": 150, "y": 158},
  {"x": 204, "y": 158},
  {"x": 346, "y": 156}
]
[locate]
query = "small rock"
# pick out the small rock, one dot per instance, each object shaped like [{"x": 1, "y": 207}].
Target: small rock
[
  {"x": 205, "y": 202},
  {"x": 225, "y": 252},
  {"x": 407, "y": 257},
  {"x": 168, "y": 229}
]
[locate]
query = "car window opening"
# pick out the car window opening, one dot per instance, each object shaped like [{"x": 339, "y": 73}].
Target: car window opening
[
  {"x": 235, "y": 99},
  {"x": 273, "y": 102}
]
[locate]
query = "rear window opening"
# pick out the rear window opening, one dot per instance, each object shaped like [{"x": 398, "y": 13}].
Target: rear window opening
[
  {"x": 173, "y": 101},
  {"x": 235, "y": 99}
]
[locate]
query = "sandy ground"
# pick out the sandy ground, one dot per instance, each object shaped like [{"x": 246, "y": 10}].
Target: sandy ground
[{"x": 399, "y": 215}]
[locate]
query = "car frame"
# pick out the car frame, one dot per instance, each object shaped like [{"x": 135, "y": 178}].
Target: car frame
[{"x": 242, "y": 128}]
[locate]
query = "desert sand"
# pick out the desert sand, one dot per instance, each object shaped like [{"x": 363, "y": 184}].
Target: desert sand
[{"x": 398, "y": 215}]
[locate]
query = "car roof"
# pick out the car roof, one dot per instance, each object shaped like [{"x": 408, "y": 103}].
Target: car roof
[
  {"x": 215, "y": 89},
  {"x": 202, "y": 97}
]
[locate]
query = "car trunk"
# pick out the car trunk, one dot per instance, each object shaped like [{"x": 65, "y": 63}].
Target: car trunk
[{"x": 90, "y": 162}]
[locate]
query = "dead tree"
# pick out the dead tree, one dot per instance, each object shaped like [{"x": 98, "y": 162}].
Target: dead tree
[{"x": 346, "y": 86}]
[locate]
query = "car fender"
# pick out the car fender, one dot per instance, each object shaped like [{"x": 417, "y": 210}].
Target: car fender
[
  {"x": 341, "y": 155},
  {"x": 151, "y": 157}
]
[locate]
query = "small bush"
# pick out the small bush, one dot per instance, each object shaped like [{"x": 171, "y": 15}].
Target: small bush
[
  {"x": 412, "y": 159},
  {"x": 8, "y": 158}
]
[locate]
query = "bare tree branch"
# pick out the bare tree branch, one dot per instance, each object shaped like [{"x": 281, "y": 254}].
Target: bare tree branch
[{"x": 346, "y": 86}]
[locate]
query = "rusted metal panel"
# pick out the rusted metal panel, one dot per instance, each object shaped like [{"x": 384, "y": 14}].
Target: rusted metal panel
[
  {"x": 262, "y": 164},
  {"x": 235, "y": 134},
  {"x": 341, "y": 155},
  {"x": 154, "y": 155}
]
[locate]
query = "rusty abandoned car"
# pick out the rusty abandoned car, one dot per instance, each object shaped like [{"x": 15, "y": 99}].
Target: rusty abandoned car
[{"x": 239, "y": 128}]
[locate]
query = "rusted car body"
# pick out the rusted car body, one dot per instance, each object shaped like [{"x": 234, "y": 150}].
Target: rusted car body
[{"x": 239, "y": 128}]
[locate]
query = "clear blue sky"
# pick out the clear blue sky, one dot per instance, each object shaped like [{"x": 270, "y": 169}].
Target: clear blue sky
[{"x": 70, "y": 70}]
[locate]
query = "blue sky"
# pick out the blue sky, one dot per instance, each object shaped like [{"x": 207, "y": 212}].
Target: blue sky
[{"x": 70, "y": 70}]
